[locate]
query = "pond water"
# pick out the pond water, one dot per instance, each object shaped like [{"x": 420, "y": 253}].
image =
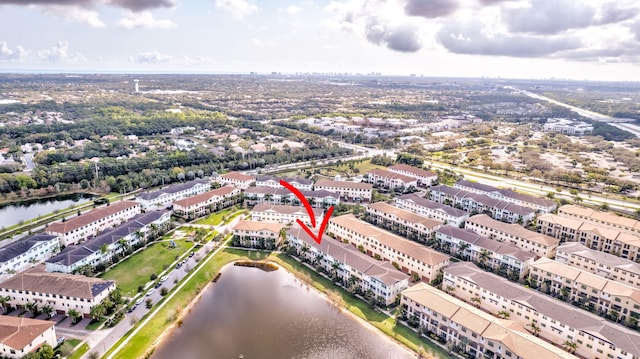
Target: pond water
[
  {"x": 15, "y": 213},
  {"x": 253, "y": 314}
]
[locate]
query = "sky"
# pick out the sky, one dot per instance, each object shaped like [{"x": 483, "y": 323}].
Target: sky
[{"x": 525, "y": 39}]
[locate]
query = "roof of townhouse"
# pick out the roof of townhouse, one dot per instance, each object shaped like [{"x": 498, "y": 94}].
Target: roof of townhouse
[
  {"x": 599, "y": 216},
  {"x": 404, "y": 214},
  {"x": 511, "y": 334},
  {"x": 202, "y": 197},
  {"x": 610, "y": 260},
  {"x": 238, "y": 176},
  {"x": 427, "y": 203},
  {"x": 267, "y": 190},
  {"x": 513, "y": 229},
  {"x": 343, "y": 184},
  {"x": 391, "y": 175},
  {"x": 475, "y": 185},
  {"x": 244, "y": 225},
  {"x": 571, "y": 223},
  {"x": 279, "y": 208},
  {"x": 410, "y": 248},
  {"x": 527, "y": 198},
  {"x": 18, "y": 332},
  {"x": 558, "y": 310},
  {"x": 90, "y": 217},
  {"x": 175, "y": 188},
  {"x": 20, "y": 247},
  {"x": 447, "y": 190},
  {"x": 318, "y": 193},
  {"x": 291, "y": 180},
  {"x": 351, "y": 256},
  {"x": 69, "y": 285},
  {"x": 502, "y": 248},
  {"x": 419, "y": 172}
]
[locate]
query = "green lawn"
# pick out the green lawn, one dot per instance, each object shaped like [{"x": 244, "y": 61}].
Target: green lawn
[
  {"x": 95, "y": 324},
  {"x": 215, "y": 219},
  {"x": 80, "y": 352},
  {"x": 137, "y": 269},
  {"x": 344, "y": 169}
]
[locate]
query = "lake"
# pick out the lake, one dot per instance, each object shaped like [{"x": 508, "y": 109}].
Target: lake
[
  {"x": 254, "y": 314},
  {"x": 14, "y": 213}
]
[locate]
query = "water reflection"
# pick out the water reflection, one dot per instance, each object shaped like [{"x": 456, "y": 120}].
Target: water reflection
[
  {"x": 254, "y": 314},
  {"x": 14, "y": 213}
]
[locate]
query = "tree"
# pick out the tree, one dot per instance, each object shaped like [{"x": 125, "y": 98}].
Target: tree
[
  {"x": 4, "y": 301},
  {"x": 46, "y": 351},
  {"x": 97, "y": 311},
  {"x": 32, "y": 307},
  {"x": 48, "y": 310},
  {"x": 476, "y": 301},
  {"x": 149, "y": 303},
  {"x": 535, "y": 329},
  {"x": 570, "y": 346},
  {"x": 74, "y": 315},
  {"x": 503, "y": 314}
]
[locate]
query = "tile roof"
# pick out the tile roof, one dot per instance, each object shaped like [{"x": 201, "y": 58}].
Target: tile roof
[
  {"x": 595, "y": 215},
  {"x": 390, "y": 175},
  {"x": 404, "y": 214},
  {"x": 90, "y": 217},
  {"x": 343, "y": 184},
  {"x": 244, "y": 225},
  {"x": 278, "y": 208},
  {"x": 427, "y": 203},
  {"x": 471, "y": 237},
  {"x": 175, "y": 188},
  {"x": 610, "y": 260},
  {"x": 513, "y": 229},
  {"x": 238, "y": 176},
  {"x": 22, "y": 246},
  {"x": 203, "y": 197},
  {"x": 18, "y": 332},
  {"x": 413, "y": 170},
  {"x": 484, "y": 200},
  {"x": 291, "y": 180}
]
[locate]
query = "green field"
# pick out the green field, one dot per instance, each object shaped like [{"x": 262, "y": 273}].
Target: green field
[
  {"x": 137, "y": 269},
  {"x": 360, "y": 169},
  {"x": 80, "y": 352},
  {"x": 215, "y": 219}
]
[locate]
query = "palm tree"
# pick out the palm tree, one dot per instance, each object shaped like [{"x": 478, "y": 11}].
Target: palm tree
[
  {"x": 154, "y": 229},
  {"x": 74, "y": 315},
  {"x": 48, "y": 310},
  {"x": 32, "y": 307},
  {"x": 104, "y": 248},
  {"x": 484, "y": 255},
  {"x": 535, "y": 329},
  {"x": 570, "y": 346},
  {"x": 3, "y": 302},
  {"x": 476, "y": 301},
  {"x": 503, "y": 314},
  {"x": 462, "y": 248}
]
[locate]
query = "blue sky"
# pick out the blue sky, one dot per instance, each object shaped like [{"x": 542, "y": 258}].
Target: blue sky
[{"x": 597, "y": 40}]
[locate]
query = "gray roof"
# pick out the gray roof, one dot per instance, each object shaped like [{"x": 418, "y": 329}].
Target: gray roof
[
  {"x": 148, "y": 196},
  {"x": 285, "y": 192},
  {"x": 607, "y": 259},
  {"x": 471, "y": 237},
  {"x": 292, "y": 180},
  {"x": 20, "y": 247},
  {"x": 476, "y": 185},
  {"x": 484, "y": 200},
  {"x": 427, "y": 203},
  {"x": 621, "y": 337},
  {"x": 506, "y": 193}
]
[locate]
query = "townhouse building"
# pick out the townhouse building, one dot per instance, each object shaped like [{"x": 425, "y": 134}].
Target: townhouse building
[
  {"x": 236, "y": 179},
  {"x": 540, "y": 244},
  {"x": 478, "y": 333},
  {"x": 274, "y": 182},
  {"x": 426, "y": 207},
  {"x": 20, "y": 336},
  {"x": 164, "y": 197},
  {"x": 349, "y": 264},
  {"x": 207, "y": 202},
  {"x": 89, "y": 224},
  {"x": 257, "y": 234},
  {"x": 348, "y": 191},
  {"x": 102, "y": 248},
  {"x": 481, "y": 203},
  {"x": 424, "y": 178},
  {"x": 410, "y": 257},
  {"x": 61, "y": 291},
  {"x": 554, "y": 320},
  {"x": 573, "y": 229},
  {"x": 603, "y": 264},
  {"x": 388, "y": 179},
  {"x": 601, "y": 218},
  {"x": 277, "y": 213},
  {"x": 408, "y": 224},
  {"x": 317, "y": 199},
  {"x": 540, "y": 205},
  {"x": 26, "y": 252},
  {"x": 590, "y": 291},
  {"x": 500, "y": 256}
]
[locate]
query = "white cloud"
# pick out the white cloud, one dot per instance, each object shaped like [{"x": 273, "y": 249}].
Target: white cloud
[
  {"x": 150, "y": 57},
  {"x": 237, "y": 8},
  {"x": 76, "y": 14},
  {"x": 261, "y": 43},
  {"x": 144, "y": 19},
  {"x": 293, "y": 9},
  {"x": 6, "y": 53},
  {"x": 60, "y": 52}
]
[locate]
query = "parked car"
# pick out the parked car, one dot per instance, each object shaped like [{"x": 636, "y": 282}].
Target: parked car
[
  {"x": 60, "y": 340},
  {"x": 139, "y": 301},
  {"x": 149, "y": 293},
  {"x": 163, "y": 279}
]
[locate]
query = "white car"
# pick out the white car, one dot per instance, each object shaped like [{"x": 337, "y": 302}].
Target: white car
[
  {"x": 150, "y": 292},
  {"x": 163, "y": 279},
  {"x": 139, "y": 301}
]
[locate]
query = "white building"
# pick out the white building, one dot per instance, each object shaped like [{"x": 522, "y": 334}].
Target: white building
[
  {"x": 425, "y": 178},
  {"x": 392, "y": 180},
  {"x": 207, "y": 202},
  {"x": 426, "y": 207},
  {"x": 541, "y": 205},
  {"x": 408, "y": 224},
  {"x": 317, "y": 199},
  {"x": 568, "y": 127},
  {"x": 26, "y": 252},
  {"x": 164, "y": 197},
  {"x": 274, "y": 182},
  {"x": 236, "y": 179},
  {"x": 348, "y": 191},
  {"x": 262, "y": 235},
  {"x": 265, "y": 212},
  {"x": 20, "y": 336}
]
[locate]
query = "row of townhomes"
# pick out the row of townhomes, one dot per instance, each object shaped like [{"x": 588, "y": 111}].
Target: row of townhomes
[
  {"x": 236, "y": 179},
  {"x": 348, "y": 191},
  {"x": 79, "y": 229},
  {"x": 554, "y": 320},
  {"x": 426, "y": 207},
  {"x": 258, "y": 234},
  {"x": 277, "y": 213},
  {"x": 164, "y": 197},
  {"x": 24, "y": 253},
  {"x": 487, "y": 252},
  {"x": 391, "y": 180},
  {"x": 540, "y": 205},
  {"x": 317, "y": 199},
  {"x": 347, "y": 262},
  {"x": 112, "y": 241},
  {"x": 480, "y": 203},
  {"x": 410, "y": 257},
  {"x": 423, "y": 177},
  {"x": 604, "y": 219},
  {"x": 274, "y": 182},
  {"x": 474, "y": 331},
  {"x": 20, "y": 336},
  {"x": 408, "y": 224},
  {"x": 207, "y": 202}
]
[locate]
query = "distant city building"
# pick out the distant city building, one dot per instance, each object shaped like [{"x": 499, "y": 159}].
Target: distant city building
[
  {"x": 568, "y": 127},
  {"x": 26, "y": 252},
  {"x": 426, "y": 207},
  {"x": 425, "y": 178},
  {"x": 20, "y": 336},
  {"x": 165, "y": 197},
  {"x": 274, "y": 182},
  {"x": 236, "y": 179}
]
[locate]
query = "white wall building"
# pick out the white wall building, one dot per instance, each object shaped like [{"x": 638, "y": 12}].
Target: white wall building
[
  {"x": 265, "y": 212},
  {"x": 20, "y": 336},
  {"x": 348, "y": 191},
  {"x": 425, "y": 178},
  {"x": 426, "y": 207},
  {"x": 164, "y": 197},
  {"x": 26, "y": 252}
]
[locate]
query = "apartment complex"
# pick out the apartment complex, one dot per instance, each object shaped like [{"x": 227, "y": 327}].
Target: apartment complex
[
  {"x": 257, "y": 234},
  {"x": 392, "y": 180},
  {"x": 207, "y": 202},
  {"x": 481, "y": 203},
  {"x": 603, "y": 264},
  {"x": 424, "y": 178},
  {"x": 274, "y": 182},
  {"x": 26, "y": 252},
  {"x": 479, "y": 333},
  {"x": 408, "y": 224},
  {"x": 488, "y": 252},
  {"x": 20, "y": 336},
  {"x": 540, "y": 244},
  {"x": 347, "y": 262},
  {"x": 163, "y": 198},
  {"x": 62, "y": 292},
  {"x": 87, "y": 225},
  {"x": 265, "y": 212},
  {"x": 569, "y": 127},
  {"x": 591, "y": 291},
  {"x": 541, "y": 205},
  {"x": 409, "y": 256},
  {"x": 556, "y": 321},
  {"x": 573, "y": 229},
  {"x": 237, "y": 180},
  {"x": 348, "y": 191},
  {"x": 601, "y": 218},
  {"x": 426, "y": 207},
  {"x": 317, "y": 199}
]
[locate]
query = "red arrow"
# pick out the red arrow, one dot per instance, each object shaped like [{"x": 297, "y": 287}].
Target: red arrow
[{"x": 312, "y": 216}]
